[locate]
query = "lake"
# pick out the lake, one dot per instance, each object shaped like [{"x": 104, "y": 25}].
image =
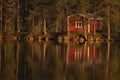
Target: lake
[{"x": 21, "y": 60}]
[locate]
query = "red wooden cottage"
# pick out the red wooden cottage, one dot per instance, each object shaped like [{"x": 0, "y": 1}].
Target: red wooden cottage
[{"x": 82, "y": 23}]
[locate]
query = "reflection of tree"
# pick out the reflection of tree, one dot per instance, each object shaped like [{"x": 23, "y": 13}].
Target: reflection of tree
[
  {"x": 22, "y": 61},
  {"x": 50, "y": 63},
  {"x": 17, "y": 59},
  {"x": 107, "y": 60},
  {"x": 0, "y": 56},
  {"x": 60, "y": 62},
  {"x": 34, "y": 61},
  {"x": 25, "y": 61},
  {"x": 51, "y": 66},
  {"x": 7, "y": 61},
  {"x": 2, "y": 60},
  {"x": 84, "y": 52},
  {"x": 44, "y": 50},
  {"x": 75, "y": 72},
  {"x": 67, "y": 54},
  {"x": 114, "y": 64}
]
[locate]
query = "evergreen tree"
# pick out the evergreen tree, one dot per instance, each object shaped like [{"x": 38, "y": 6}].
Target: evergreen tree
[{"x": 47, "y": 16}]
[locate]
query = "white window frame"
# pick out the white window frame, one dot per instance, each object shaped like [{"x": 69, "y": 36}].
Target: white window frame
[{"x": 78, "y": 24}]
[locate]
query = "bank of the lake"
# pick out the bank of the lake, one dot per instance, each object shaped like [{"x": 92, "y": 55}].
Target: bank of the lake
[{"x": 79, "y": 38}]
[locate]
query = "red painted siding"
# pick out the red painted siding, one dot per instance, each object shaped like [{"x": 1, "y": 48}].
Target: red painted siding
[
  {"x": 91, "y": 25},
  {"x": 96, "y": 23},
  {"x": 72, "y": 27}
]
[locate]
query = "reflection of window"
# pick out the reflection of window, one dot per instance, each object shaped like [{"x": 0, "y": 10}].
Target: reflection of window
[{"x": 78, "y": 24}]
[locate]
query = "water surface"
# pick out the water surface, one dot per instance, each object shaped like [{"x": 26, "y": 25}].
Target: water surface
[{"x": 52, "y": 61}]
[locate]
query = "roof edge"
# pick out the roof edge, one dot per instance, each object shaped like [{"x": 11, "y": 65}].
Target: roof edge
[{"x": 76, "y": 14}]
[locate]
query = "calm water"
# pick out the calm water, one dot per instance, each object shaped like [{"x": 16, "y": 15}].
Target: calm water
[{"x": 50, "y": 61}]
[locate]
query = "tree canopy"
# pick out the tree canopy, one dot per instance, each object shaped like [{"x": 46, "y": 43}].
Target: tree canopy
[{"x": 37, "y": 16}]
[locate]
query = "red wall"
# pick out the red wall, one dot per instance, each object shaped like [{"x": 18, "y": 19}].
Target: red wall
[
  {"x": 95, "y": 22},
  {"x": 72, "y": 26}
]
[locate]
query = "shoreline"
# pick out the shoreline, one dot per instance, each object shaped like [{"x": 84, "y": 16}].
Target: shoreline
[{"x": 60, "y": 38}]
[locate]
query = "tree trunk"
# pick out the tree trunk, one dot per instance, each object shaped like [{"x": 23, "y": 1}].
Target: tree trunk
[
  {"x": 68, "y": 25},
  {"x": 1, "y": 17},
  {"x": 33, "y": 24},
  {"x": 67, "y": 18},
  {"x": 26, "y": 5},
  {"x": 94, "y": 24},
  {"x": 57, "y": 24},
  {"x": 44, "y": 26},
  {"x": 108, "y": 19},
  {"x": 18, "y": 16},
  {"x": 84, "y": 23}
]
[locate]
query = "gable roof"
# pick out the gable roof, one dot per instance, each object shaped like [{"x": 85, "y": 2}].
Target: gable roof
[{"x": 87, "y": 15}]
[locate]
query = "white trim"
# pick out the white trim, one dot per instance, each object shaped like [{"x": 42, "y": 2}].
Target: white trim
[{"x": 77, "y": 14}]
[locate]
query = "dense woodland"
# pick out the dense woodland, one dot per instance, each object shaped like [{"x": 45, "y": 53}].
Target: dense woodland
[{"x": 49, "y": 16}]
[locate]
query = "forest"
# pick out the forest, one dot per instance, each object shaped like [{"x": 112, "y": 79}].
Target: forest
[{"x": 37, "y": 17}]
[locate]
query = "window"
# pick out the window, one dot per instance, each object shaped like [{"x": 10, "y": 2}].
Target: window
[{"x": 78, "y": 24}]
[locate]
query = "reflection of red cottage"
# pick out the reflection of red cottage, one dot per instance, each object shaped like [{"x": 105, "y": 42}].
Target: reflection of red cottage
[
  {"x": 75, "y": 54},
  {"x": 81, "y": 23},
  {"x": 89, "y": 54}
]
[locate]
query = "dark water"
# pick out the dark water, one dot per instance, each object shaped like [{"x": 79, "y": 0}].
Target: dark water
[{"x": 50, "y": 61}]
